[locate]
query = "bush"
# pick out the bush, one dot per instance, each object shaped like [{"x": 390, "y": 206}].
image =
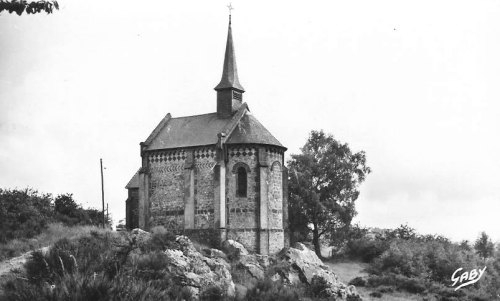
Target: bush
[
  {"x": 376, "y": 294},
  {"x": 93, "y": 267},
  {"x": 358, "y": 281},
  {"x": 212, "y": 293},
  {"x": 319, "y": 287},
  {"x": 26, "y": 213},
  {"x": 161, "y": 239},
  {"x": 273, "y": 291},
  {"x": 49, "y": 236},
  {"x": 23, "y": 213},
  {"x": 366, "y": 249}
]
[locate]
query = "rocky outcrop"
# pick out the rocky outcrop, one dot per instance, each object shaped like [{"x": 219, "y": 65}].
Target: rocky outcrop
[
  {"x": 299, "y": 264},
  {"x": 189, "y": 268},
  {"x": 212, "y": 268}
]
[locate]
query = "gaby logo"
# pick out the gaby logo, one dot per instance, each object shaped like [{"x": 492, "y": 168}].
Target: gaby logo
[{"x": 470, "y": 277}]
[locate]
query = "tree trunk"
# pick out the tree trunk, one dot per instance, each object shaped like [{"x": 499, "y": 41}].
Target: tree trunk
[{"x": 317, "y": 246}]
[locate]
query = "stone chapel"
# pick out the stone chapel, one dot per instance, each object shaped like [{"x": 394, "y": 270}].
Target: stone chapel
[{"x": 214, "y": 176}]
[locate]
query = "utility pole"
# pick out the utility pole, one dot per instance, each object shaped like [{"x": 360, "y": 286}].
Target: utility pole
[
  {"x": 102, "y": 194},
  {"x": 107, "y": 212}
]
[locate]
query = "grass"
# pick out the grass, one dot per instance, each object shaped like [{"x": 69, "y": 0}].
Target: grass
[
  {"x": 53, "y": 233},
  {"x": 346, "y": 270}
]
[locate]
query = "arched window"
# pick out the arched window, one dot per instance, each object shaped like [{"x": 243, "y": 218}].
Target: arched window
[{"x": 241, "y": 184}]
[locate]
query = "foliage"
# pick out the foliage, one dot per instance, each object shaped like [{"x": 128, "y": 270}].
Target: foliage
[
  {"x": 358, "y": 281},
  {"x": 94, "y": 267},
  {"x": 105, "y": 265},
  {"x": 423, "y": 264},
  {"x": 319, "y": 287},
  {"x": 53, "y": 233},
  {"x": 266, "y": 290},
  {"x": 33, "y": 7},
  {"x": 26, "y": 213},
  {"x": 323, "y": 185},
  {"x": 403, "y": 232},
  {"x": 366, "y": 249},
  {"x": 23, "y": 213},
  {"x": 483, "y": 246}
]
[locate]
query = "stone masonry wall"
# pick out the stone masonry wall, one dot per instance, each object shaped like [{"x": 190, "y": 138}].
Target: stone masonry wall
[
  {"x": 169, "y": 173},
  {"x": 242, "y": 212},
  {"x": 166, "y": 191},
  {"x": 167, "y": 181},
  {"x": 275, "y": 200},
  {"x": 204, "y": 159}
]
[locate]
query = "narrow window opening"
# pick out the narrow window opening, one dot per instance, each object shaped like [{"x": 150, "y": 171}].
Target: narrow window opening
[{"x": 241, "y": 189}]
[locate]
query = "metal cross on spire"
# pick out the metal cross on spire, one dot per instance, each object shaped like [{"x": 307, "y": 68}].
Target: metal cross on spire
[{"x": 230, "y": 7}]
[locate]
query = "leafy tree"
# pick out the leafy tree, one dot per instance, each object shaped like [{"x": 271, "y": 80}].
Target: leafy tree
[
  {"x": 64, "y": 204},
  {"x": 323, "y": 185},
  {"x": 465, "y": 245},
  {"x": 484, "y": 247},
  {"x": 403, "y": 232},
  {"x": 33, "y": 7},
  {"x": 23, "y": 213}
]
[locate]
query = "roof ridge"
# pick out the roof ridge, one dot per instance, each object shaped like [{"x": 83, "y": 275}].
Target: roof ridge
[
  {"x": 158, "y": 128},
  {"x": 229, "y": 128},
  {"x": 130, "y": 184},
  {"x": 194, "y": 115}
]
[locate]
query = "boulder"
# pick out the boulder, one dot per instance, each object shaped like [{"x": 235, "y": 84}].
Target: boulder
[
  {"x": 190, "y": 268},
  {"x": 243, "y": 261},
  {"x": 233, "y": 249},
  {"x": 250, "y": 264},
  {"x": 187, "y": 267},
  {"x": 299, "y": 264},
  {"x": 139, "y": 237}
]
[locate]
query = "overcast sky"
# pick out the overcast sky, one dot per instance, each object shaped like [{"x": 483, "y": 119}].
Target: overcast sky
[{"x": 414, "y": 84}]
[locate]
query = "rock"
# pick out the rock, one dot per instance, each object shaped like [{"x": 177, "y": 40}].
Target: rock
[
  {"x": 191, "y": 269},
  {"x": 299, "y": 252},
  {"x": 299, "y": 264},
  {"x": 186, "y": 245},
  {"x": 139, "y": 237},
  {"x": 233, "y": 249},
  {"x": 276, "y": 278},
  {"x": 215, "y": 253},
  {"x": 264, "y": 260},
  {"x": 254, "y": 270}
]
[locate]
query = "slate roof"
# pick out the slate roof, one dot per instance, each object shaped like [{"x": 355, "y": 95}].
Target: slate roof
[
  {"x": 198, "y": 130},
  {"x": 134, "y": 182},
  {"x": 189, "y": 131},
  {"x": 250, "y": 130}
]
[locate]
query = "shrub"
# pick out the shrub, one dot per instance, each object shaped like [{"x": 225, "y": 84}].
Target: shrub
[
  {"x": 411, "y": 285},
  {"x": 92, "y": 267},
  {"x": 366, "y": 249},
  {"x": 212, "y": 293},
  {"x": 26, "y": 213},
  {"x": 358, "y": 281},
  {"x": 161, "y": 239},
  {"x": 376, "y": 294},
  {"x": 23, "y": 213},
  {"x": 273, "y": 291},
  {"x": 319, "y": 287}
]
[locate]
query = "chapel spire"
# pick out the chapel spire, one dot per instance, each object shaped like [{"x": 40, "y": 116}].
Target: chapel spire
[
  {"x": 230, "y": 71},
  {"x": 229, "y": 90}
]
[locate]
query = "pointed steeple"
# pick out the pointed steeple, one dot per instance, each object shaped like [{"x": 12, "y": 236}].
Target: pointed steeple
[
  {"x": 229, "y": 90},
  {"x": 230, "y": 71}
]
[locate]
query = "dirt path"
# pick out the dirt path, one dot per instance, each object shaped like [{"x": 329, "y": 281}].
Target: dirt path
[{"x": 16, "y": 263}]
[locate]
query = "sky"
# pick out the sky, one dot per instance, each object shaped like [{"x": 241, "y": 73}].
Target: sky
[{"x": 414, "y": 84}]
